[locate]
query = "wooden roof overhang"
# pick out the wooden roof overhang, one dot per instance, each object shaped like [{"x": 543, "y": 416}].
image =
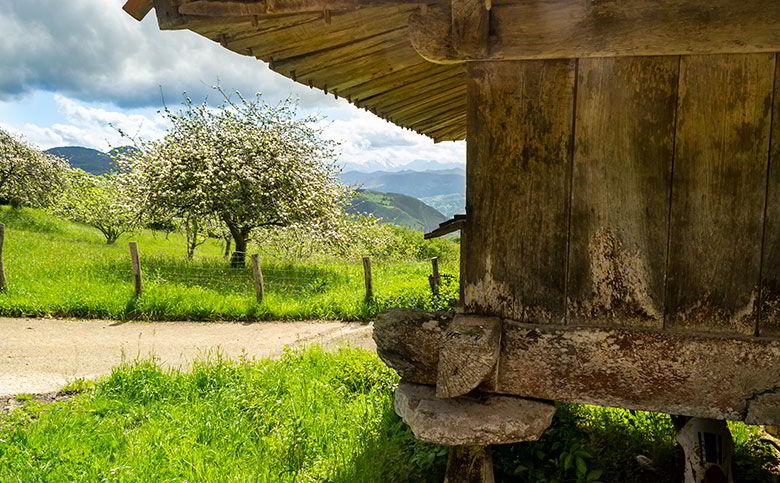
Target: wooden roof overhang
[{"x": 402, "y": 60}]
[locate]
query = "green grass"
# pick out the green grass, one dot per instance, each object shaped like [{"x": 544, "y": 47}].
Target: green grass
[
  {"x": 310, "y": 416},
  {"x": 62, "y": 269}
]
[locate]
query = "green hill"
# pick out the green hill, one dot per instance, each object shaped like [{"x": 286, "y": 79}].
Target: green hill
[
  {"x": 396, "y": 208},
  {"x": 90, "y": 160}
]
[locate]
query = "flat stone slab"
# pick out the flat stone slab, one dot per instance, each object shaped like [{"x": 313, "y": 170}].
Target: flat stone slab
[{"x": 471, "y": 421}]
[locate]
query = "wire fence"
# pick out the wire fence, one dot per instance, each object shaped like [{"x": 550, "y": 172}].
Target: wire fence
[
  {"x": 154, "y": 267},
  {"x": 237, "y": 274}
]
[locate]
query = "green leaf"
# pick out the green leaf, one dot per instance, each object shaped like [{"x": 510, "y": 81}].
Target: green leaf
[
  {"x": 568, "y": 461},
  {"x": 520, "y": 469},
  {"x": 582, "y": 468},
  {"x": 594, "y": 475}
]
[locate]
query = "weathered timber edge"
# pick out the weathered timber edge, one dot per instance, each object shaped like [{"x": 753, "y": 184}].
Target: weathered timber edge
[{"x": 694, "y": 374}]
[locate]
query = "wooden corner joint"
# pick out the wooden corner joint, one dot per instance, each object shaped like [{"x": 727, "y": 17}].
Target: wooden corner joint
[
  {"x": 469, "y": 354},
  {"x": 452, "y": 35}
]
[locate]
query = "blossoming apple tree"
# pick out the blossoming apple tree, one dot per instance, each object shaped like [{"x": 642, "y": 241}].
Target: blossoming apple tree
[
  {"x": 28, "y": 176},
  {"x": 250, "y": 164}
]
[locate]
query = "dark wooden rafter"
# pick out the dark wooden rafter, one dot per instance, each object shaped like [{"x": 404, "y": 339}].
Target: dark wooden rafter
[{"x": 447, "y": 227}]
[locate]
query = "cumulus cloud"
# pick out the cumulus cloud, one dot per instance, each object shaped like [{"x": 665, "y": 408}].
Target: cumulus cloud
[
  {"x": 369, "y": 142},
  {"x": 89, "y": 126},
  {"x": 91, "y": 50},
  {"x": 104, "y": 68}
]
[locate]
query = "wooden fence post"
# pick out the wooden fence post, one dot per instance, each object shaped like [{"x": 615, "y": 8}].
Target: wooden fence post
[
  {"x": 259, "y": 284},
  {"x": 3, "y": 283},
  {"x": 435, "y": 279},
  {"x": 136, "y": 259},
  {"x": 368, "y": 279}
]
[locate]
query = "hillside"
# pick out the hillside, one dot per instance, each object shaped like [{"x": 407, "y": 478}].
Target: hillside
[
  {"x": 88, "y": 159},
  {"x": 396, "y": 208},
  {"x": 444, "y": 190}
]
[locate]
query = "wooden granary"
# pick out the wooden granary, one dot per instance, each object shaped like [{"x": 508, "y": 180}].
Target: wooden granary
[{"x": 621, "y": 244}]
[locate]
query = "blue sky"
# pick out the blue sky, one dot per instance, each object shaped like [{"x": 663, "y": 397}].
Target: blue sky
[{"x": 70, "y": 69}]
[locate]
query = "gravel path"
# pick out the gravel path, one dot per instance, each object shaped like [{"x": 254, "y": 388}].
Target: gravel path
[{"x": 41, "y": 355}]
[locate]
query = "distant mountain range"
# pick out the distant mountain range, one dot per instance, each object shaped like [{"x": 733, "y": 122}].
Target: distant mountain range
[
  {"x": 443, "y": 189},
  {"x": 416, "y": 165},
  {"x": 88, "y": 159},
  {"x": 396, "y": 208}
]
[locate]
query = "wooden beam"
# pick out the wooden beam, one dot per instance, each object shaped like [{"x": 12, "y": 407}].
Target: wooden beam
[
  {"x": 470, "y": 19},
  {"x": 693, "y": 374},
  {"x": 168, "y": 16},
  {"x": 219, "y": 8},
  {"x": 447, "y": 227},
  {"x": 209, "y": 8},
  {"x": 138, "y": 8},
  {"x": 431, "y": 36},
  {"x": 583, "y": 28}
]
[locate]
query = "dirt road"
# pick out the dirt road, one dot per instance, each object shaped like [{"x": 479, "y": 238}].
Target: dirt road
[{"x": 40, "y": 355}]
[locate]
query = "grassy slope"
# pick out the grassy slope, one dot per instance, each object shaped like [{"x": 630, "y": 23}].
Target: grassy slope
[
  {"x": 311, "y": 416},
  {"x": 57, "y": 268},
  {"x": 397, "y": 208}
]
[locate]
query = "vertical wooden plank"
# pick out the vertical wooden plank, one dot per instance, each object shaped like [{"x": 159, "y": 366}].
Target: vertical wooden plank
[
  {"x": 257, "y": 272},
  {"x": 624, "y": 144},
  {"x": 367, "y": 278},
  {"x": 520, "y": 118},
  {"x": 718, "y": 192},
  {"x": 769, "y": 310},
  {"x": 3, "y": 283},
  {"x": 135, "y": 258}
]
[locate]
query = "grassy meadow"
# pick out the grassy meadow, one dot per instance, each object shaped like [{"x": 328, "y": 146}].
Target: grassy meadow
[
  {"x": 309, "y": 416},
  {"x": 61, "y": 269}
]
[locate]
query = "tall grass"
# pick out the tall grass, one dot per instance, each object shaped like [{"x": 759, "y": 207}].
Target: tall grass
[
  {"x": 57, "y": 268},
  {"x": 310, "y": 416}
]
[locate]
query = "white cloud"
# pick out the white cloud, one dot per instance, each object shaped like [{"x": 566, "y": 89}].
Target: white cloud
[
  {"x": 373, "y": 143},
  {"x": 89, "y": 126},
  {"x": 93, "y": 51}
]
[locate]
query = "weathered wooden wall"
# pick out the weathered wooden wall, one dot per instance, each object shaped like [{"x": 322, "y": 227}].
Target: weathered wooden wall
[{"x": 626, "y": 191}]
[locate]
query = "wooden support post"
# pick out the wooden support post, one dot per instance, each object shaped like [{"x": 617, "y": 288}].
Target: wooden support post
[
  {"x": 258, "y": 274},
  {"x": 3, "y": 283},
  {"x": 136, "y": 259},
  {"x": 435, "y": 279},
  {"x": 368, "y": 279},
  {"x": 469, "y": 464}
]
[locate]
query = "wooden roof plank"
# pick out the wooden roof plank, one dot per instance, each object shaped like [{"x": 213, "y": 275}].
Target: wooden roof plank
[{"x": 138, "y": 9}]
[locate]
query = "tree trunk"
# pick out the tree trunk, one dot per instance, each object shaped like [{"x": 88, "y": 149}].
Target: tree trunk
[
  {"x": 239, "y": 255},
  {"x": 228, "y": 242},
  {"x": 241, "y": 238}
]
